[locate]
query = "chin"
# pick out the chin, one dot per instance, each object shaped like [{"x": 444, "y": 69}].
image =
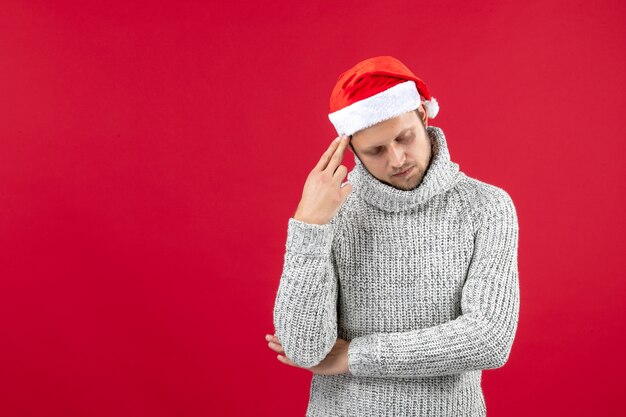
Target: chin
[
  {"x": 404, "y": 186},
  {"x": 407, "y": 186}
]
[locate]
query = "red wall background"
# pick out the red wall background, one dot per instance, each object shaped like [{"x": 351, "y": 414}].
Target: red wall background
[{"x": 151, "y": 154}]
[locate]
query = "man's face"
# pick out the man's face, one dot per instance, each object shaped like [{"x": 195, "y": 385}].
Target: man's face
[{"x": 397, "y": 145}]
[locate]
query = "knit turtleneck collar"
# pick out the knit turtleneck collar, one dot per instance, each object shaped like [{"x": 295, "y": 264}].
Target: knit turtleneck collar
[{"x": 441, "y": 175}]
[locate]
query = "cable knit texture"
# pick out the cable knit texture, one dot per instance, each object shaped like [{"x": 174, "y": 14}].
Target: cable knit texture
[{"x": 423, "y": 283}]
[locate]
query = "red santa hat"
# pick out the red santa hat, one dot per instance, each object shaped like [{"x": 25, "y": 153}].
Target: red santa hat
[{"x": 375, "y": 90}]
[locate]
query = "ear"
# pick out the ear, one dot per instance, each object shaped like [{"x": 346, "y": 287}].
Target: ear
[{"x": 423, "y": 113}]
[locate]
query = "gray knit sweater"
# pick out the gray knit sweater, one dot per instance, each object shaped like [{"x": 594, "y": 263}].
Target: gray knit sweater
[{"x": 423, "y": 283}]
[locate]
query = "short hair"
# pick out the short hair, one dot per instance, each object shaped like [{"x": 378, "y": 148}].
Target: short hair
[{"x": 419, "y": 116}]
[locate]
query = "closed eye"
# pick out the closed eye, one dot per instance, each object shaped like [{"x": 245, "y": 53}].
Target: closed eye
[{"x": 404, "y": 139}]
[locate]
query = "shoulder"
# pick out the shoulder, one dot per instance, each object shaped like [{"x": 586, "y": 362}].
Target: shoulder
[{"x": 486, "y": 201}]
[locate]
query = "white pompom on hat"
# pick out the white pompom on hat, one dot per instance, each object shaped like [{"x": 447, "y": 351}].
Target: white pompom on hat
[{"x": 375, "y": 90}]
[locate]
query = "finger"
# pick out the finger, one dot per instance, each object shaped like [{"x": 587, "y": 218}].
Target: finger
[
  {"x": 346, "y": 189},
  {"x": 321, "y": 165},
  {"x": 276, "y": 347},
  {"x": 327, "y": 155},
  {"x": 286, "y": 361},
  {"x": 340, "y": 174},
  {"x": 337, "y": 157}
]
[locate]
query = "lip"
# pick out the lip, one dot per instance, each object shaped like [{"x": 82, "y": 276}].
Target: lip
[{"x": 403, "y": 173}]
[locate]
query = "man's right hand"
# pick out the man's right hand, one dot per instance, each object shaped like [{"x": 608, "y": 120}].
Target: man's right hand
[{"x": 323, "y": 194}]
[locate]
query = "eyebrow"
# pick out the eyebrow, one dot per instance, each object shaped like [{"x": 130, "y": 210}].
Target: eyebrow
[{"x": 402, "y": 133}]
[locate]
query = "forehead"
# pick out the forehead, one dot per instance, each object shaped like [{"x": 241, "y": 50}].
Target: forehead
[{"x": 387, "y": 130}]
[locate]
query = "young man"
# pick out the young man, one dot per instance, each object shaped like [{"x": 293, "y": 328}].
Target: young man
[{"x": 400, "y": 286}]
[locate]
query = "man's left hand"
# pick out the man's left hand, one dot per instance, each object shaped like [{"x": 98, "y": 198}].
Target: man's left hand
[{"x": 336, "y": 362}]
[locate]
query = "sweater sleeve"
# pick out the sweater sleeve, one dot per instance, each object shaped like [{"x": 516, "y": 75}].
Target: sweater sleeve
[
  {"x": 481, "y": 337},
  {"x": 305, "y": 309}
]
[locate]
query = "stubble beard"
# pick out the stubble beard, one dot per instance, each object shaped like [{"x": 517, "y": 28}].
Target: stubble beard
[{"x": 420, "y": 177}]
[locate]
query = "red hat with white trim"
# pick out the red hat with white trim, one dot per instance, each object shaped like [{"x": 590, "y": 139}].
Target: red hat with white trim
[{"x": 375, "y": 90}]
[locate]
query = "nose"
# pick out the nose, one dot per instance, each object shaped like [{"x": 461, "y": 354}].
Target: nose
[{"x": 397, "y": 156}]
